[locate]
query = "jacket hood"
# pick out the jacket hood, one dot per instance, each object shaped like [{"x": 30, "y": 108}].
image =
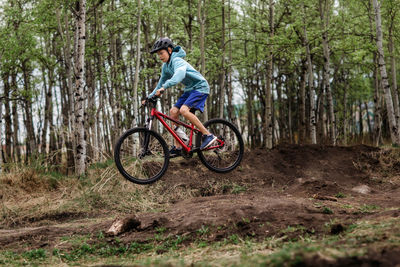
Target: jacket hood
[{"x": 178, "y": 52}]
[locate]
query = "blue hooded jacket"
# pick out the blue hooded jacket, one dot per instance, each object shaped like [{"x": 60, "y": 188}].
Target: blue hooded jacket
[{"x": 177, "y": 70}]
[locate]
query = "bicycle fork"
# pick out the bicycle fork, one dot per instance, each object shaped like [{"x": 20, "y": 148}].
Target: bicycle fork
[{"x": 146, "y": 139}]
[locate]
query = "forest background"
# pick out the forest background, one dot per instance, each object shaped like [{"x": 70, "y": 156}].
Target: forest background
[{"x": 284, "y": 71}]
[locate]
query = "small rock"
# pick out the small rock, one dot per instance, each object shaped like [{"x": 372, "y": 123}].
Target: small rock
[{"x": 362, "y": 189}]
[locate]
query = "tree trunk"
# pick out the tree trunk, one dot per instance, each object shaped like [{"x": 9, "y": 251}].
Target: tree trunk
[
  {"x": 290, "y": 90},
  {"x": 67, "y": 92},
  {"x": 55, "y": 158},
  {"x": 189, "y": 25},
  {"x": 313, "y": 130},
  {"x": 231, "y": 110},
  {"x": 268, "y": 88},
  {"x": 281, "y": 116},
  {"x": 136, "y": 82},
  {"x": 393, "y": 74},
  {"x": 48, "y": 107},
  {"x": 1, "y": 135},
  {"x": 114, "y": 90},
  {"x": 368, "y": 119},
  {"x": 79, "y": 94},
  {"x": 394, "y": 131},
  {"x": 324, "y": 13},
  {"x": 30, "y": 131},
  {"x": 321, "y": 112},
  {"x": 361, "y": 120},
  {"x": 377, "y": 106},
  {"x": 15, "y": 119},
  {"x": 222, "y": 74},
  {"x": 302, "y": 104},
  {"x": 345, "y": 121},
  {"x": 201, "y": 17},
  {"x": 7, "y": 117},
  {"x": 99, "y": 70}
]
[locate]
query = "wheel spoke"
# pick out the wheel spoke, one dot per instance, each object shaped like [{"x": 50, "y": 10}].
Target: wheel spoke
[
  {"x": 141, "y": 156},
  {"x": 226, "y": 157}
]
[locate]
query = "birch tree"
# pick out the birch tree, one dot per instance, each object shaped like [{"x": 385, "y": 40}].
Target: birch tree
[
  {"x": 201, "y": 17},
  {"x": 324, "y": 9},
  {"x": 313, "y": 130},
  {"x": 393, "y": 9},
  {"x": 79, "y": 94},
  {"x": 394, "y": 131},
  {"x": 222, "y": 74},
  {"x": 136, "y": 82},
  {"x": 268, "y": 88},
  {"x": 1, "y": 136}
]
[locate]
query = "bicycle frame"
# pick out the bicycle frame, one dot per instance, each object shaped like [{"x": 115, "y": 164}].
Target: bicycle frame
[{"x": 162, "y": 117}]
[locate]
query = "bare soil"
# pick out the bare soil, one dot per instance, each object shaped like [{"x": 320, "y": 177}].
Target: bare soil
[{"x": 304, "y": 187}]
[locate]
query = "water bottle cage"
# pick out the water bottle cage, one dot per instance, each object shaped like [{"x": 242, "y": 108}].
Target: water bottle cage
[{"x": 182, "y": 135}]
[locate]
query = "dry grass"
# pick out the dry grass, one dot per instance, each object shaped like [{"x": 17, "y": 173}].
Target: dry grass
[
  {"x": 382, "y": 165},
  {"x": 26, "y": 195},
  {"x": 29, "y": 195}
]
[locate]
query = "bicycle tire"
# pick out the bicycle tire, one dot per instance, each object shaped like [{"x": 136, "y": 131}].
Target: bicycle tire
[
  {"x": 228, "y": 157},
  {"x": 141, "y": 155}
]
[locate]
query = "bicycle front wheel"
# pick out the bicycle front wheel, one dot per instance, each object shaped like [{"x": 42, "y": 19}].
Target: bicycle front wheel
[
  {"x": 227, "y": 152},
  {"x": 141, "y": 155}
]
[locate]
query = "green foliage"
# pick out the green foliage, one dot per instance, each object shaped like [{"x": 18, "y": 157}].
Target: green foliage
[
  {"x": 37, "y": 43},
  {"x": 102, "y": 165},
  {"x": 327, "y": 210},
  {"x": 36, "y": 254},
  {"x": 340, "y": 195},
  {"x": 204, "y": 230},
  {"x": 237, "y": 189},
  {"x": 369, "y": 208}
]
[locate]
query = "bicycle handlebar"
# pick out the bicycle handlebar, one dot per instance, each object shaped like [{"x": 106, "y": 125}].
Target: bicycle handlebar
[{"x": 152, "y": 100}]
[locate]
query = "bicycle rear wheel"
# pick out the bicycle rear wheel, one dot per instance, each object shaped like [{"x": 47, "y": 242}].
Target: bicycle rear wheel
[
  {"x": 141, "y": 155},
  {"x": 227, "y": 152}
]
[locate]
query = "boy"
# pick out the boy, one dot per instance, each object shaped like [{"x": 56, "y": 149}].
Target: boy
[{"x": 176, "y": 70}]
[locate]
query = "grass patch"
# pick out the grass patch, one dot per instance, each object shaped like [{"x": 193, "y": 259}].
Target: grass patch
[
  {"x": 368, "y": 208},
  {"x": 101, "y": 165},
  {"x": 237, "y": 189},
  {"x": 340, "y": 195},
  {"x": 327, "y": 210},
  {"x": 233, "y": 250}
]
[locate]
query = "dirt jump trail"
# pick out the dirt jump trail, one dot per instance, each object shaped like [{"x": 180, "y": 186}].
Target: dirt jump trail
[{"x": 303, "y": 187}]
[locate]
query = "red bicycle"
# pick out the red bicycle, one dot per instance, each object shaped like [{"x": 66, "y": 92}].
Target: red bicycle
[{"x": 142, "y": 156}]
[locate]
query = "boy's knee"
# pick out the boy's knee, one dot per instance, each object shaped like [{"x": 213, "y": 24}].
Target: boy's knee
[
  {"x": 174, "y": 111},
  {"x": 184, "y": 110}
]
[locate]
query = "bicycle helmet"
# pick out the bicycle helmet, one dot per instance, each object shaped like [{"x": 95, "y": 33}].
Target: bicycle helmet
[{"x": 162, "y": 43}]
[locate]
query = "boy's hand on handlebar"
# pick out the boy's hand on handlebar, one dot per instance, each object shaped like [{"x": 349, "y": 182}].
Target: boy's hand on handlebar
[{"x": 160, "y": 91}]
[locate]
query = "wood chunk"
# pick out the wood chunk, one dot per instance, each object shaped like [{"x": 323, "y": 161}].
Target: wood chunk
[{"x": 120, "y": 226}]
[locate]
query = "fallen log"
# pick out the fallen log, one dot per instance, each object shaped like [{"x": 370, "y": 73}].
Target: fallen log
[{"x": 120, "y": 226}]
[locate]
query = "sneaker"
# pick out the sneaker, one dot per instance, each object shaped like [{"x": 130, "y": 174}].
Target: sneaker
[
  {"x": 175, "y": 152},
  {"x": 207, "y": 141}
]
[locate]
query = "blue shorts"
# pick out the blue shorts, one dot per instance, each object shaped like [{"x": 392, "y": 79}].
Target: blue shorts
[{"x": 193, "y": 99}]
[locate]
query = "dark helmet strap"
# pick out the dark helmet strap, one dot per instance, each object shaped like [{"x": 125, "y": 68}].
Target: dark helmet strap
[{"x": 169, "y": 55}]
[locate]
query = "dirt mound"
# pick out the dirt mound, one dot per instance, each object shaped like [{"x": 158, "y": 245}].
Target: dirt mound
[
  {"x": 302, "y": 170},
  {"x": 383, "y": 257},
  {"x": 285, "y": 193},
  {"x": 290, "y": 186}
]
